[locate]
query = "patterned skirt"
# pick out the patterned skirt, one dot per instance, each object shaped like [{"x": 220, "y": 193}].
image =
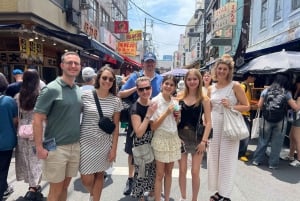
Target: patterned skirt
[{"x": 166, "y": 146}]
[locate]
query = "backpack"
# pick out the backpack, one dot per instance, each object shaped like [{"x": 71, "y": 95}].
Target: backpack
[{"x": 275, "y": 105}]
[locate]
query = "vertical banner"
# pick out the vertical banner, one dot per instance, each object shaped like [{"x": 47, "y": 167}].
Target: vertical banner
[{"x": 121, "y": 26}]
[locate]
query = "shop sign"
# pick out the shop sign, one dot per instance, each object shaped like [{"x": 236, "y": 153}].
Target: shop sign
[
  {"x": 31, "y": 50},
  {"x": 127, "y": 48},
  {"x": 11, "y": 57},
  {"x": 120, "y": 26},
  {"x": 225, "y": 16},
  {"x": 134, "y": 35},
  {"x": 50, "y": 62},
  {"x": 90, "y": 30},
  {"x": 108, "y": 38}
]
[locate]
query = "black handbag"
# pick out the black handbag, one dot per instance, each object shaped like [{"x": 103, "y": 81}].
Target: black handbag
[
  {"x": 200, "y": 128},
  {"x": 105, "y": 123}
]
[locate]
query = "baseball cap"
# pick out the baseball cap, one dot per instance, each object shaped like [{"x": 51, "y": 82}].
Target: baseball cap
[
  {"x": 17, "y": 72},
  {"x": 149, "y": 56},
  {"x": 88, "y": 72}
]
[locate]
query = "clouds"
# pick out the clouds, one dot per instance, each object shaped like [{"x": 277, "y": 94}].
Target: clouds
[{"x": 165, "y": 37}]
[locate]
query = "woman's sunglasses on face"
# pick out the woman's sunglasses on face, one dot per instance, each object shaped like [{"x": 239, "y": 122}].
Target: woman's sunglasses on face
[
  {"x": 141, "y": 89},
  {"x": 110, "y": 79}
]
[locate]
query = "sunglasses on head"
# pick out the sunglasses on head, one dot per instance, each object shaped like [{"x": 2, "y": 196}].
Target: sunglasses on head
[
  {"x": 141, "y": 89},
  {"x": 110, "y": 79}
]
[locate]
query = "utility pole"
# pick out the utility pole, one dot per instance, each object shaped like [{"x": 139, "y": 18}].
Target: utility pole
[
  {"x": 145, "y": 34},
  {"x": 204, "y": 32}
]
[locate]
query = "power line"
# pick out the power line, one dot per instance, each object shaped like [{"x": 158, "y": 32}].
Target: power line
[{"x": 170, "y": 23}]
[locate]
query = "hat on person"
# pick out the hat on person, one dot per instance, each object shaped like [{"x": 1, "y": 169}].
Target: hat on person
[
  {"x": 88, "y": 74},
  {"x": 17, "y": 72},
  {"x": 149, "y": 56}
]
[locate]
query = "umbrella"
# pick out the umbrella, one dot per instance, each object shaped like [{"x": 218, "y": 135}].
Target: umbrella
[
  {"x": 273, "y": 63},
  {"x": 176, "y": 72}
]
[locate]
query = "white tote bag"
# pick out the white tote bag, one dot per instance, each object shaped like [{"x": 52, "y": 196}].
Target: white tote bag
[
  {"x": 235, "y": 127},
  {"x": 256, "y": 125}
]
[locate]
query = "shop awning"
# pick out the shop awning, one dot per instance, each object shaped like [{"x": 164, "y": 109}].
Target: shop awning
[
  {"x": 83, "y": 41},
  {"x": 131, "y": 61},
  {"x": 293, "y": 45},
  {"x": 10, "y": 26}
]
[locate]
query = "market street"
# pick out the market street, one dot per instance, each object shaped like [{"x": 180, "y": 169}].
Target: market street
[{"x": 251, "y": 182}]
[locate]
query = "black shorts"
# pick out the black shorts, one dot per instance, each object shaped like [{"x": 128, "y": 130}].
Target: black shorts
[{"x": 129, "y": 142}]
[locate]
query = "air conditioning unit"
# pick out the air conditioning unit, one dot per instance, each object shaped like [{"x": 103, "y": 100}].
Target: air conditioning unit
[{"x": 84, "y": 5}]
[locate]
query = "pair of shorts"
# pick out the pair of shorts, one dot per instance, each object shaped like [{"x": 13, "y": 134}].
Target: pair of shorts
[
  {"x": 61, "y": 163},
  {"x": 296, "y": 123}
]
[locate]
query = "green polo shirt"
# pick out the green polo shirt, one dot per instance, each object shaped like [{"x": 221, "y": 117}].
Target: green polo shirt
[{"x": 61, "y": 104}]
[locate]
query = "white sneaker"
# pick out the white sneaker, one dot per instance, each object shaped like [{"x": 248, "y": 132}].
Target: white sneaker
[
  {"x": 295, "y": 163},
  {"x": 287, "y": 158},
  {"x": 91, "y": 198},
  {"x": 182, "y": 199}
]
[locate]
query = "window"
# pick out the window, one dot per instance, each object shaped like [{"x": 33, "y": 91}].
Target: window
[
  {"x": 104, "y": 19},
  {"x": 278, "y": 10},
  {"x": 295, "y": 4},
  {"x": 92, "y": 13},
  {"x": 263, "y": 17}
]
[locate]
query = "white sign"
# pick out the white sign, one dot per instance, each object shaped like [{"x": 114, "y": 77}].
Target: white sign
[{"x": 225, "y": 16}]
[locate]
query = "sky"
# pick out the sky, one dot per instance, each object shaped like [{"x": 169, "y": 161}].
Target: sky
[{"x": 165, "y": 37}]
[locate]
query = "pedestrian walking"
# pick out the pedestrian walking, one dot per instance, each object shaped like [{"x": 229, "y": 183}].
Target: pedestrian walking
[
  {"x": 8, "y": 136},
  {"x": 28, "y": 166},
  {"x": 273, "y": 102}
]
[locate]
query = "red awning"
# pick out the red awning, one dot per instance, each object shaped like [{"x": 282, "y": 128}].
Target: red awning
[{"x": 131, "y": 61}]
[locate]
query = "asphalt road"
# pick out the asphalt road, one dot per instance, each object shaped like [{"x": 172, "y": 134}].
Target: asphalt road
[{"x": 251, "y": 183}]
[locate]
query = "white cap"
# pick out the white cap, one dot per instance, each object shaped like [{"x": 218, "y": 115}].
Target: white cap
[{"x": 88, "y": 73}]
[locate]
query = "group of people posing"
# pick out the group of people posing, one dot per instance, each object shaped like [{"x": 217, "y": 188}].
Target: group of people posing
[{"x": 67, "y": 136}]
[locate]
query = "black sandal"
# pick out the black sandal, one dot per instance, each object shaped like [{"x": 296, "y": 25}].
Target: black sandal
[{"x": 216, "y": 197}]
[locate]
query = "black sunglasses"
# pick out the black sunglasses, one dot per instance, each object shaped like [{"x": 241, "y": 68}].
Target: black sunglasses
[
  {"x": 110, "y": 79},
  {"x": 141, "y": 89}
]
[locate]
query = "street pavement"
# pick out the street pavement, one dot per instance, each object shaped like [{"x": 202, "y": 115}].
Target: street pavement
[{"x": 252, "y": 183}]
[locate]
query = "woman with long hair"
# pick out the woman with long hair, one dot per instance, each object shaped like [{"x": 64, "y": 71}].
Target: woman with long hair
[
  {"x": 207, "y": 81},
  {"x": 28, "y": 166},
  {"x": 165, "y": 142},
  {"x": 98, "y": 149},
  {"x": 223, "y": 152},
  {"x": 192, "y": 101}
]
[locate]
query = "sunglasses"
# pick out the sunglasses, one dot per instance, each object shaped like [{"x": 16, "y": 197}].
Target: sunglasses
[
  {"x": 144, "y": 88},
  {"x": 110, "y": 79}
]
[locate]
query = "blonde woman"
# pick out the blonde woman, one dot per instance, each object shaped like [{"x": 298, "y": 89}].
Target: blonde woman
[
  {"x": 223, "y": 152},
  {"x": 192, "y": 102}
]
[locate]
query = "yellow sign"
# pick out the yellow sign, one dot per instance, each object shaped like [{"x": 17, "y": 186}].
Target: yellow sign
[
  {"x": 127, "y": 48},
  {"x": 134, "y": 35}
]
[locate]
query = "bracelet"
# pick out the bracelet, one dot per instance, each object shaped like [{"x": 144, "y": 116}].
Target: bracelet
[
  {"x": 205, "y": 141},
  {"x": 147, "y": 117}
]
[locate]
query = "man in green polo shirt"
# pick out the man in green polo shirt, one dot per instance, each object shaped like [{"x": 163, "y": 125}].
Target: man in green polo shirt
[{"x": 59, "y": 107}]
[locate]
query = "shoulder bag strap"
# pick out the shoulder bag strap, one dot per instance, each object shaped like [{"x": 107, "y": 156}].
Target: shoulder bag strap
[
  {"x": 97, "y": 104},
  {"x": 200, "y": 114}
]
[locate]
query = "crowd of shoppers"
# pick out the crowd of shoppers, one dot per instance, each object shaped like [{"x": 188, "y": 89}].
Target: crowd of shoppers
[{"x": 159, "y": 117}]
